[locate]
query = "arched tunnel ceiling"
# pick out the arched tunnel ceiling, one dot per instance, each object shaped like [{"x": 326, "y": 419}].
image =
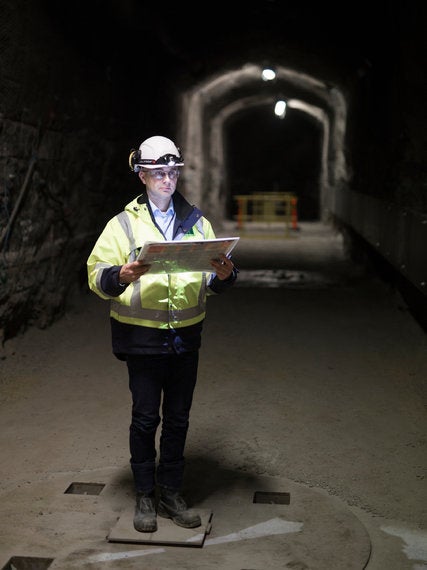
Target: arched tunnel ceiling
[
  {"x": 326, "y": 40},
  {"x": 197, "y": 36},
  {"x": 246, "y": 82},
  {"x": 210, "y": 57}
]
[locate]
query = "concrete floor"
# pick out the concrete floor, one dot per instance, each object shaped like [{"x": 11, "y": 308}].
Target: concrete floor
[{"x": 312, "y": 387}]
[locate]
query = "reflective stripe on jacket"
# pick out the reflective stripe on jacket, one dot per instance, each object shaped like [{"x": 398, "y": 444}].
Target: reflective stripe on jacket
[{"x": 161, "y": 301}]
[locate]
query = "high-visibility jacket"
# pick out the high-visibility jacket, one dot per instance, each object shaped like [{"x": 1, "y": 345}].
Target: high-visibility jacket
[{"x": 166, "y": 302}]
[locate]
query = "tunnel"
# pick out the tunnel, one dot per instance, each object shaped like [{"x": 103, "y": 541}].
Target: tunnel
[
  {"x": 332, "y": 292},
  {"x": 83, "y": 85}
]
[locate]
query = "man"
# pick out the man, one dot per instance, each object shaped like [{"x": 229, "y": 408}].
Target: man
[{"x": 156, "y": 325}]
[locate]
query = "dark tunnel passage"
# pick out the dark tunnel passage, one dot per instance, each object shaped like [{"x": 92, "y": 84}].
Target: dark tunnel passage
[{"x": 283, "y": 156}]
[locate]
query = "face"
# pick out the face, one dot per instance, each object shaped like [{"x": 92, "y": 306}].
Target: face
[{"x": 160, "y": 182}]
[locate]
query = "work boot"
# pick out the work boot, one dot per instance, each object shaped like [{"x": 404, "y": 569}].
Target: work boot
[
  {"x": 145, "y": 519},
  {"x": 172, "y": 506}
]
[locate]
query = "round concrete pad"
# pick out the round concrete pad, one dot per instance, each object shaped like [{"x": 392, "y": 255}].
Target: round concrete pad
[{"x": 313, "y": 532}]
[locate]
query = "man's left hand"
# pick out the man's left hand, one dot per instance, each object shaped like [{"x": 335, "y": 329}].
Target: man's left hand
[{"x": 223, "y": 267}]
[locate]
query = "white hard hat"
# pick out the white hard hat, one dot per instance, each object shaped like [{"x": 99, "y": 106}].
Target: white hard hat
[{"x": 155, "y": 152}]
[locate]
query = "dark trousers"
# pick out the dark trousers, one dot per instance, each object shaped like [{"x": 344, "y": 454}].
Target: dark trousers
[{"x": 167, "y": 381}]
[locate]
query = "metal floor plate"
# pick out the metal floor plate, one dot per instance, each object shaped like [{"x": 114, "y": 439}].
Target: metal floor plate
[{"x": 168, "y": 533}]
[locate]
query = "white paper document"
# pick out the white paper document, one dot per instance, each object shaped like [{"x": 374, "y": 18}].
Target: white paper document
[{"x": 185, "y": 255}]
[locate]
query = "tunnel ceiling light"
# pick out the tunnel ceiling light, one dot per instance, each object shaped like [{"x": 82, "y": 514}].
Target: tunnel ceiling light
[
  {"x": 268, "y": 74},
  {"x": 280, "y": 109}
]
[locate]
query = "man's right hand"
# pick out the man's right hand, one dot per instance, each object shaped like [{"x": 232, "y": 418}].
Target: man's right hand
[{"x": 130, "y": 272}]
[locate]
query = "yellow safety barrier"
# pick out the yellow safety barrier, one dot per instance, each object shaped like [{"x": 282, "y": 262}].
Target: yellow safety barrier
[{"x": 267, "y": 208}]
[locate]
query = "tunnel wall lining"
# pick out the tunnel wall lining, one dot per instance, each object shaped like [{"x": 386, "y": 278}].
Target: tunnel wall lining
[{"x": 399, "y": 235}]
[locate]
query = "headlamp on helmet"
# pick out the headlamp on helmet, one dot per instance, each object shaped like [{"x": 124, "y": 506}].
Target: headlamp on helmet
[{"x": 154, "y": 152}]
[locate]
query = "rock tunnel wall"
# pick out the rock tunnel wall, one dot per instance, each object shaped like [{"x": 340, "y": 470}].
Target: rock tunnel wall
[
  {"x": 57, "y": 140},
  {"x": 384, "y": 204}
]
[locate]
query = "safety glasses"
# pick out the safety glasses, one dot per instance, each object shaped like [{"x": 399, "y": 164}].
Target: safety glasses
[{"x": 159, "y": 174}]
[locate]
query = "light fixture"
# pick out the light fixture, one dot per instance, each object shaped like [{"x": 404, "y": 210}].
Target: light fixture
[
  {"x": 280, "y": 108},
  {"x": 268, "y": 74}
]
